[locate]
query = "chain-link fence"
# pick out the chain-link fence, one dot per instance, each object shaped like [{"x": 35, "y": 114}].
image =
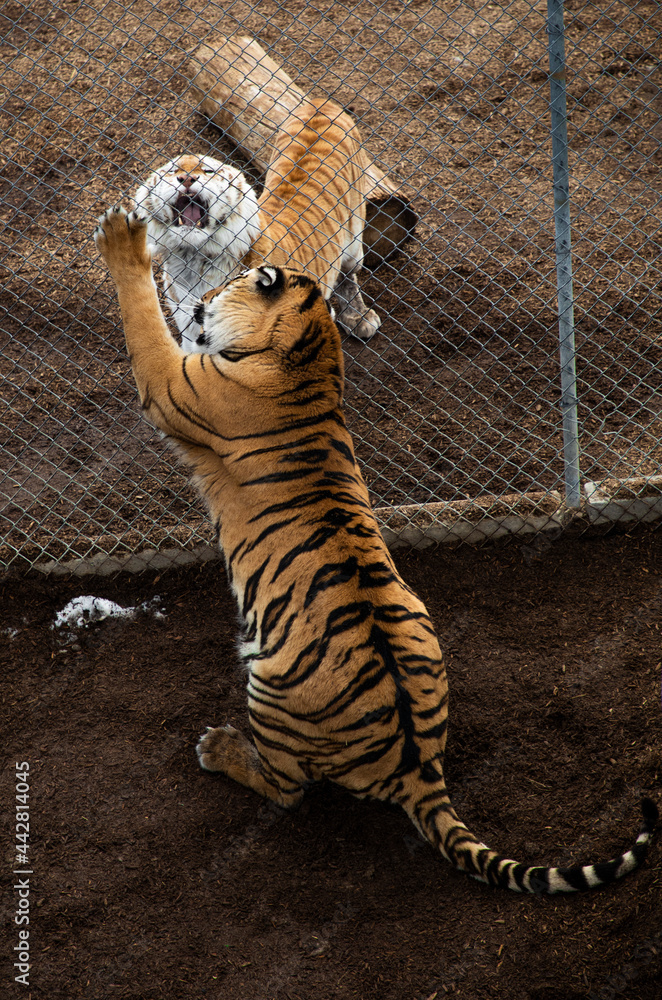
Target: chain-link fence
[{"x": 455, "y": 405}]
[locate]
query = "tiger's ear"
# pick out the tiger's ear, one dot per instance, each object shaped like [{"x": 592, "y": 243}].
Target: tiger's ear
[{"x": 270, "y": 281}]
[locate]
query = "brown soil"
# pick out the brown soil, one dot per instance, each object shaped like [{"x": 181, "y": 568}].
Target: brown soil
[
  {"x": 458, "y": 394},
  {"x": 154, "y": 881}
]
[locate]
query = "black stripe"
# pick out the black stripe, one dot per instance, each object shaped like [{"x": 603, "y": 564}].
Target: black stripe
[
  {"x": 250, "y": 590},
  {"x": 235, "y": 552},
  {"x": 397, "y": 613},
  {"x": 435, "y": 732},
  {"x": 266, "y": 653},
  {"x": 300, "y": 387},
  {"x": 300, "y": 280},
  {"x": 187, "y": 414},
  {"x": 331, "y": 478},
  {"x": 383, "y": 714},
  {"x": 304, "y": 659},
  {"x": 369, "y": 677},
  {"x": 432, "y": 770},
  {"x": 285, "y": 427},
  {"x": 429, "y": 713},
  {"x": 273, "y": 613},
  {"x": 300, "y": 442},
  {"x": 575, "y": 876},
  {"x": 193, "y": 389},
  {"x": 497, "y": 874},
  {"x": 304, "y": 400},
  {"x": 280, "y": 477},
  {"x": 338, "y": 516},
  {"x": 410, "y": 755},
  {"x": 311, "y": 299},
  {"x": 312, "y": 499},
  {"x": 311, "y": 544},
  {"x": 344, "y": 449},
  {"x": 307, "y": 348},
  {"x": 538, "y": 878},
  {"x": 360, "y": 530},
  {"x": 312, "y": 456},
  {"x": 369, "y": 757},
  {"x": 249, "y": 634},
  {"x": 330, "y": 575},
  {"x": 269, "y": 530},
  {"x": 376, "y": 574},
  {"x": 347, "y": 617}
]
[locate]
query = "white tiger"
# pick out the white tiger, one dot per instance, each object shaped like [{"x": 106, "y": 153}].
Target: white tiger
[{"x": 203, "y": 219}]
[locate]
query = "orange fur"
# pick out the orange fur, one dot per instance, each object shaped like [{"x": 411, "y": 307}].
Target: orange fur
[
  {"x": 312, "y": 209},
  {"x": 345, "y": 678}
]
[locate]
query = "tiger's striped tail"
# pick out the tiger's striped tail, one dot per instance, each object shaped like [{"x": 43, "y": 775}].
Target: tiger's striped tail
[{"x": 443, "y": 828}]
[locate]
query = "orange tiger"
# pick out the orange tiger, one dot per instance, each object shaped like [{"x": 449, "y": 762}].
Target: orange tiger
[
  {"x": 312, "y": 210},
  {"x": 345, "y": 676}
]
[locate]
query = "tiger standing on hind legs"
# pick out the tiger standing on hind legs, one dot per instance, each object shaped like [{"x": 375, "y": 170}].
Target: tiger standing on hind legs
[{"x": 345, "y": 676}]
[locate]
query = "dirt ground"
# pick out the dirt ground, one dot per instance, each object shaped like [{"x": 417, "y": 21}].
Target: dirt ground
[
  {"x": 457, "y": 396},
  {"x": 151, "y": 880}
]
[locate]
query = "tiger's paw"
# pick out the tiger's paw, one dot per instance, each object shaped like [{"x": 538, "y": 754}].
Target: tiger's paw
[
  {"x": 361, "y": 325},
  {"x": 218, "y": 749},
  {"x": 121, "y": 238},
  {"x": 367, "y": 326}
]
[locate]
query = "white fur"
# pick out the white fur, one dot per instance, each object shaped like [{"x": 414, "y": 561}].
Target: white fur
[
  {"x": 197, "y": 258},
  {"x": 219, "y": 329}
]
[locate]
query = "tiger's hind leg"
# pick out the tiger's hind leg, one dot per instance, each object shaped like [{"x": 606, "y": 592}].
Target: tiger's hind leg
[
  {"x": 353, "y": 313},
  {"x": 228, "y": 751}
]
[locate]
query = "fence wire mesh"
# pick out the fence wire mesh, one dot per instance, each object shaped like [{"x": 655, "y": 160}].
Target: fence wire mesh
[{"x": 455, "y": 403}]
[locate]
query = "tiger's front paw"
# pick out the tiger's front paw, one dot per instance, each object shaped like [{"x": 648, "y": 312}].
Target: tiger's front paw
[{"x": 121, "y": 239}]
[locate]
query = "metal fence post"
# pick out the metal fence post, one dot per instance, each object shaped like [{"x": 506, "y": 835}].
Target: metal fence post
[{"x": 557, "y": 88}]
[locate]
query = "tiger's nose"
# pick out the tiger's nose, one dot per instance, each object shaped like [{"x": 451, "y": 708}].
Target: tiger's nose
[{"x": 186, "y": 179}]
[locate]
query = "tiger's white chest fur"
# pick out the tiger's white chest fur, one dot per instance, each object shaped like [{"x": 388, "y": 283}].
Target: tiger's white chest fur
[{"x": 203, "y": 218}]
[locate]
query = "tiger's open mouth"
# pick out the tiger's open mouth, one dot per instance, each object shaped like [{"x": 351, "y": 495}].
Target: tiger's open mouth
[{"x": 190, "y": 211}]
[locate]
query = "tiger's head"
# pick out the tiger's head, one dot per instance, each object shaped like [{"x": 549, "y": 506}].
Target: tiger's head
[
  {"x": 273, "y": 320},
  {"x": 197, "y": 204}
]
